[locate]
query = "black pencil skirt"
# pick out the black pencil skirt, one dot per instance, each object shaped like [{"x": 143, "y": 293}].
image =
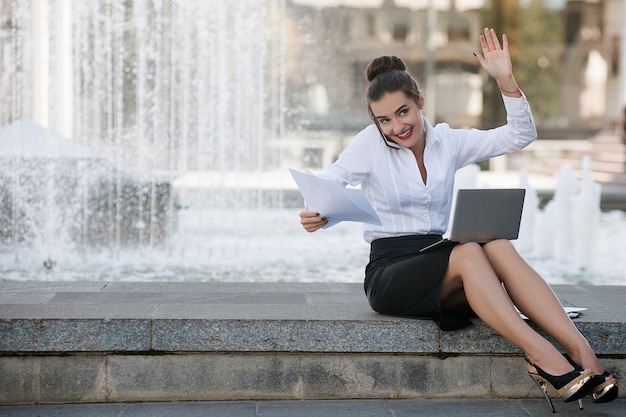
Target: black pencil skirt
[{"x": 400, "y": 281}]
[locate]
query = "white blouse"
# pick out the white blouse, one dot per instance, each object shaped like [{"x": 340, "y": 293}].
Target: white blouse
[{"x": 391, "y": 181}]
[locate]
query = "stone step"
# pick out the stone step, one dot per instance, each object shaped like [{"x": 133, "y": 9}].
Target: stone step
[{"x": 132, "y": 342}]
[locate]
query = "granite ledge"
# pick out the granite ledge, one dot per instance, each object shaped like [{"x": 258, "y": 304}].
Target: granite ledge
[{"x": 56, "y": 318}]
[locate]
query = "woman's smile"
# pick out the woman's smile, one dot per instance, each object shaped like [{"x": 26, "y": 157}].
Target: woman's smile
[{"x": 406, "y": 135}]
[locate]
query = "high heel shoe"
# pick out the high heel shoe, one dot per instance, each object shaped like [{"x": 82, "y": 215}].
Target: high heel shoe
[
  {"x": 604, "y": 387},
  {"x": 606, "y": 390},
  {"x": 571, "y": 386}
]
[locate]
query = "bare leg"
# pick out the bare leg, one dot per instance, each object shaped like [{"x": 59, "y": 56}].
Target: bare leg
[
  {"x": 470, "y": 270},
  {"x": 534, "y": 297}
]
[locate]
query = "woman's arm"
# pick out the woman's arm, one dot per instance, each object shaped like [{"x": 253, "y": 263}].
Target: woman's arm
[{"x": 520, "y": 130}]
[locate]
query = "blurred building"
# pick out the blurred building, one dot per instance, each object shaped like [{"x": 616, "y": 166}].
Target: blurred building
[
  {"x": 333, "y": 40},
  {"x": 331, "y": 43},
  {"x": 591, "y": 92}
]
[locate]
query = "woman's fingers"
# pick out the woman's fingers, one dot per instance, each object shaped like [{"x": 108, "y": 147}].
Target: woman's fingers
[
  {"x": 312, "y": 221},
  {"x": 308, "y": 215},
  {"x": 505, "y": 42},
  {"x": 489, "y": 41},
  {"x": 494, "y": 38}
]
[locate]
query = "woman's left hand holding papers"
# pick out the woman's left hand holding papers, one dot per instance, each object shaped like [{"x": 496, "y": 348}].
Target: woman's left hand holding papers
[{"x": 312, "y": 221}]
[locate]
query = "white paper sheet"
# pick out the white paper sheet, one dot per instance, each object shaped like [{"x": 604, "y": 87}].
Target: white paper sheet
[
  {"x": 573, "y": 312},
  {"x": 332, "y": 200}
]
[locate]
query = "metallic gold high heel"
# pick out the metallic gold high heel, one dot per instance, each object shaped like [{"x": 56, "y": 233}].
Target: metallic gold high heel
[
  {"x": 571, "y": 386},
  {"x": 606, "y": 390},
  {"x": 603, "y": 387}
]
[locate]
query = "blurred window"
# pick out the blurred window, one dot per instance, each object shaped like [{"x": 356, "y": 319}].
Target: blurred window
[{"x": 313, "y": 157}]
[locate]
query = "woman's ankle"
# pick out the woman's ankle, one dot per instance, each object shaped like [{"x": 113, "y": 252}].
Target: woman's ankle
[
  {"x": 586, "y": 359},
  {"x": 551, "y": 364}
]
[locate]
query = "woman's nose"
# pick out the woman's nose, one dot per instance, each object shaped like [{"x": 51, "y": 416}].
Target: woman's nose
[{"x": 396, "y": 127}]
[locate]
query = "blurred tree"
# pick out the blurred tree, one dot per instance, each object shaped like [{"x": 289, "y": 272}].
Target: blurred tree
[
  {"x": 542, "y": 43},
  {"x": 505, "y": 17},
  {"x": 536, "y": 46}
]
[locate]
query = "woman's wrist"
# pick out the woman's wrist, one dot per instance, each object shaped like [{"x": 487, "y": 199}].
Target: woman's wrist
[{"x": 509, "y": 87}]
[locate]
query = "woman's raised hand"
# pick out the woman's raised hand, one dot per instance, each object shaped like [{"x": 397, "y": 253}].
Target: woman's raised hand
[
  {"x": 312, "y": 221},
  {"x": 497, "y": 61}
]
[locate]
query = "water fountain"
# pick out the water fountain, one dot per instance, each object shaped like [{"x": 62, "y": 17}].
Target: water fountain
[
  {"x": 176, "y": 106},
  {"x": 151, "y": 90},
  {"x": 566, "y": 229}
]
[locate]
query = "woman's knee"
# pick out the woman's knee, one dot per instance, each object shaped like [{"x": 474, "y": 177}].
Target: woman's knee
[
  {"x": 464, "y": 256},
  {"x": 499, "y": 246},
  {"x": 469, "y": 249}
]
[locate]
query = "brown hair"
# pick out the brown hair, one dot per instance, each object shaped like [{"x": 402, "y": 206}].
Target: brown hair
[{"x": 388, "y": 74}]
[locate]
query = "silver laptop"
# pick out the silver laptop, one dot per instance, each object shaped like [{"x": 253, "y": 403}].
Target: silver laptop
[{"x": 482, "y": 215}]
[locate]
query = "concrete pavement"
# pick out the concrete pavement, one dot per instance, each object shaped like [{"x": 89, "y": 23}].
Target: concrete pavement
[{"x": 327, "y": 408}]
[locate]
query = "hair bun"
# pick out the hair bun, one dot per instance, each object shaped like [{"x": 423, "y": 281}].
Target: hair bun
[{"x": 383, "y": 64}]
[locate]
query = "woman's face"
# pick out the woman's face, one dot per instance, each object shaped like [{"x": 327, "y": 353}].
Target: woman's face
[{"x": 400, "y": 118}]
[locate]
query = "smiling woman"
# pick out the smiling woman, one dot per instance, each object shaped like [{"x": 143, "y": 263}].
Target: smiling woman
[
  {"x": 452, "y": 284},
  {"x": 388, "y": 76},
  {"x": 403, "y": 126}
]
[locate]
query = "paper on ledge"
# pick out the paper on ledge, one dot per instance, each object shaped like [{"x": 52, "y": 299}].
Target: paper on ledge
[
  {"x": 572, "y": 312},
  {"x": 332, "y": 200}
]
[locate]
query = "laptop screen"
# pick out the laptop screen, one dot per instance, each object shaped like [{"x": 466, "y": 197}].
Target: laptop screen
[{"x": 481, "y": 215}]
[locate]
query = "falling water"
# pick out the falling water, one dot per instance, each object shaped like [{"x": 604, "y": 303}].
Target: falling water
[
  {"x": 153, "y": 90},
  {"x": 571, "y": 240},
  {"x": 566, "y": 229}
]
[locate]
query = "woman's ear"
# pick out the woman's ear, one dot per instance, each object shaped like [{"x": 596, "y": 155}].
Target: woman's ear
[{"x": 420, "y": 102}]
